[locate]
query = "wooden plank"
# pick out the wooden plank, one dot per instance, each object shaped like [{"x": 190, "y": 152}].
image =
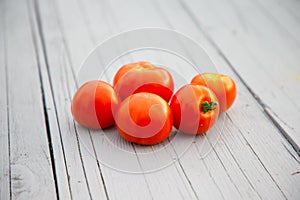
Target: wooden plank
[
  {"x": 257, "y": 46},
  {"x": 141, "y": 190},
  {"x": 88, "y": 159},
  {"x": 281, "y": 17},
  {"x": 223, "y": 150},
  {"x": 4, "y": 134},
  {"x": 80, "y": 167},
  {"x": 292, "y": 7},
  {"x": 61, "y": 174},
  {"x": 260, "y": 151},
  {"x": 91, "y": 167},
  {"x": 31, "y": 169}
]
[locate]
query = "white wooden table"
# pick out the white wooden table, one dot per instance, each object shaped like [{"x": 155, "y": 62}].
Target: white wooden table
[{"x": 45, "y": 155}]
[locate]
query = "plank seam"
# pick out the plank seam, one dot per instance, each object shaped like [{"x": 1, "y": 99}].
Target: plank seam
[
  {"x": 270, "y": 114},
  {"x": 82, "y": 163},
  {"x": 226, "y": 171},
  {"x": 99, "y": 168},
  {"x": 258, "y": 100},
  {"x": 260, "y": 161},
  {"x": 169, "y": 24},
  {"x": 7, "y": 99},
  {"x": 179, "y": 162},
  {"x": 70, "y": 64},
  {"x": 44, "y": 55},
  {"x": 133, "y": 147},
  {"x": 184, "y": 173},
  {"x": 46, "y": 117},
  {"x": 93, "y": 39},
  {"x": 210, "y": 175},
  {"x": 68, "y": 55},
  {"x": 64, "y": 72},
  {"x": 290, "y": 153},
  {"x": 240, "y": 168},
  {"x": 139, "y": 161}
]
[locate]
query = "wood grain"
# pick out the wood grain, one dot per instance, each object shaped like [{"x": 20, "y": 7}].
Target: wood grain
[
  {"x": 31, "y": 168},
  {"x": 4, "y": 133},
  {"x": 61, "y": 78},
  {"x": 273, "y": 185},
  {"x": 126, "y": 22},
  {"x": 281, "y": 17},
  {"x": 256, "y": 47},
  {"x": 139, "y": 185},
  {"x": 46, "y": 155},
  {"x": 59, "y": 167},
  {"x": 221, "y": 63}
]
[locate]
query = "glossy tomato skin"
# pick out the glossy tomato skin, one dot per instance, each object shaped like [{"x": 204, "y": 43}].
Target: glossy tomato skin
[
  {"x": 126, "y": 68},
  {"x": 94, "y": 103},
  {"x": 222, "y": 85},
  {"x": 144, "y": 118},
  {"x": 143, "y": 77},
  {"x": 189, "y": 109}
]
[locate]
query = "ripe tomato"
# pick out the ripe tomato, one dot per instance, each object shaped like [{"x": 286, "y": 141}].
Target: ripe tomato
[
  {"x": 125, "y": 68},
  {"x": 195, "y": 109},
  {"x": 93, "y": 104},
  {"x": 143, "y": 77},
  {"x": 223, "y": 86},
  {"x": 144, "y": 118}
]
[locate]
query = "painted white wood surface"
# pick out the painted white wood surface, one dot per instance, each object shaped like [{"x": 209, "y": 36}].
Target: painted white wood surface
[
  {"x": 4, "y": 137},
  {"x": 251, "y": 159},
  {"x": 30, "y": 164},
  {"x": 131, "y": 21},
  {"x": 280, "y": 15},
  {"x": 57, "y": 147},
  {"x": 159, "y": 183},
  {"x": 123, "y": 180},
  {"x": 83, "y": 184},
  {"x": 257, "y": 46},
  {"x": 255, "y": 132}
]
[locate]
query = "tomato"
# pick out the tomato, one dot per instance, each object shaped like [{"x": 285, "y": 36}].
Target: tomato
[
  {"x": 143, "y": 77},
  {"x": 144, "y": 118},
  {"x": 94, "y": 103},
  {"x": 222, "y": 85},
  {"x": 125, "y": 68},
  {"x": 195, "y": 109}
]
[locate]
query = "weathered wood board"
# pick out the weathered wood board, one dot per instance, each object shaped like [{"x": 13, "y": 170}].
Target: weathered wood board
[{"x": 247, "y": 155}]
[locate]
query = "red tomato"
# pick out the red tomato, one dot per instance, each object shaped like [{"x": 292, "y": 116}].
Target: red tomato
[
  {"x": 223, "y": 86},
  {"x": 195, "y": 109},
  {"x": 143, "y": 77},
  {"x": 125, "y": 68},
  {"x": 144, "y": 118},
  {"x": 93, "y": 104}
]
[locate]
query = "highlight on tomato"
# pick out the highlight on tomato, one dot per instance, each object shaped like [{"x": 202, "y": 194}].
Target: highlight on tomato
[
  {"x": 222, "y": 85},
  {"x": 94, "y": 103},
  {"x": 143, "y": 77},
  {"x": 195, "y": 109},
  {"x": 144, "y": 118}
]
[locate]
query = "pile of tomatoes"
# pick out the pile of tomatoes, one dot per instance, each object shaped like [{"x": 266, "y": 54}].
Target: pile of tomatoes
[{"x": 144, "y": 107}]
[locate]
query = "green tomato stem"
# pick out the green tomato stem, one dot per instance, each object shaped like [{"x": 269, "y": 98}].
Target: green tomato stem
[{"x": 208, "y": 106}]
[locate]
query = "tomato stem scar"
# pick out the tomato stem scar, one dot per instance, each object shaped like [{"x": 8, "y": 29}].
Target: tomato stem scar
[{"x": 208, "y": 106}]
